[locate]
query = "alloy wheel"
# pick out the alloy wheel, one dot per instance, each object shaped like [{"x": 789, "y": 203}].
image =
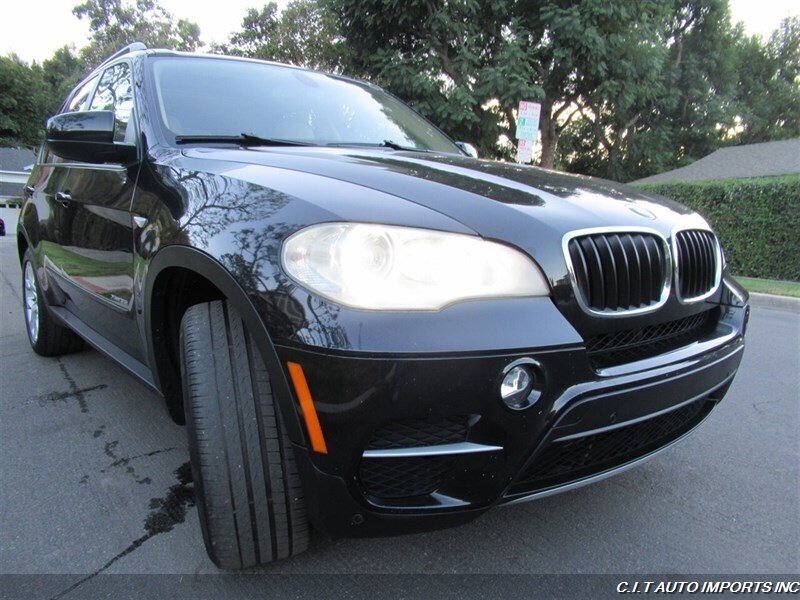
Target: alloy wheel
[{"x": 31, "y": 300}]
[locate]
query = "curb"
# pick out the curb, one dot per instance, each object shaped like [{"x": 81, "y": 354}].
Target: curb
[{"x": 775, "y": 302}]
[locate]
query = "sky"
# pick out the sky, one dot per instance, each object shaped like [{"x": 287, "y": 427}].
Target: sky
[{"x": 33, "y": 29}]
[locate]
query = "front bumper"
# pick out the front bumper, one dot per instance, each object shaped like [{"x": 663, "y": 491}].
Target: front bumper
[{"x": 587, "y": 424}]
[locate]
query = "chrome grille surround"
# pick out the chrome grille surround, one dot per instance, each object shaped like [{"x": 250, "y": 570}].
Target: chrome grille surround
[
  {"x": 666, "y": 279},
  {"x": 678, "y": 242}
]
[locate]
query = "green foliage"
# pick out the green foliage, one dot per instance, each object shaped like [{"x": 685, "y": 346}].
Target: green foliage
[
  {"x": 304, "y": 34},
  {"x": 463, "y": 64},
  {"x": 32, "y": 93},
  {"x": 767, "y": 95},
  {"x": 756, "y": 219},
  {"x": 710, "y": 86},
  {"x": 628, "y": 88},
  {"x": 61, "y": 72},
  {"x": 612, "y": 68},
  {"x": 116, "y": 23},
  {"x": 24, "y": 101},
  {"x": 665, "y": 101}
]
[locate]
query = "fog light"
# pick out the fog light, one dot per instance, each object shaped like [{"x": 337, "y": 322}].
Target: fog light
[
  {"x": 516, "y": 381},
  {"x": 516, "y": 386}
]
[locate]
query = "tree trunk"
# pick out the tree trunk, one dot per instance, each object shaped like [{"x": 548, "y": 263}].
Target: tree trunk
[{"x": 548, "y": 129}]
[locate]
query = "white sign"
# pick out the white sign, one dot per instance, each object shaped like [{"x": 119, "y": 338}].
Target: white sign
[
  {"x": 526, "y": 133},
  {"x": 528, "y": 120},
  {"x": 527, "y": 129},
  {"x": 529, "y": 109},
  {"x": 524, "y": 150}
]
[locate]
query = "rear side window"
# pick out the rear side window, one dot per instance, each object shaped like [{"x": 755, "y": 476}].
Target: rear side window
[
  {"x": 115, "y": 92},
  {"x": 81, "y": 97}
]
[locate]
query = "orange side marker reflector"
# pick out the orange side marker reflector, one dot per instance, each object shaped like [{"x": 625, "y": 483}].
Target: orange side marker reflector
[{"x": 307, "y": 406}]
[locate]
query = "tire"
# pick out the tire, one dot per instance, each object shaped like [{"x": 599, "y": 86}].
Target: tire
[
  {"x": 47, "y": 337},
  {"x": 247, "y": 488}
]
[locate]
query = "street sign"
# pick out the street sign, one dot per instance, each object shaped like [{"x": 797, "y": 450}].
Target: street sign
[
  {"x": 524, "y": 150},
  {"x": 526, "y": 133},
  {"x": 528, "y": 120},
  {"x": 527, "y": 129},
  {"x": 529, "y": 109}
]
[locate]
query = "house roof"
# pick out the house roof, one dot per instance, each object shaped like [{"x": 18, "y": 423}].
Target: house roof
[
  {"x": 749, "y": 160},
  {"x": 15, "y": 159}
]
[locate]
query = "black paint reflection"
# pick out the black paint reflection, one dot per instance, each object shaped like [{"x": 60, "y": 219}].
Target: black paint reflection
[
  {"x": 244, "y": 225},
  {"x": 238, "y": 205}
]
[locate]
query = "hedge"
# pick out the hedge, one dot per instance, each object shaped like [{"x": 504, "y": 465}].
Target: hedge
[{"x": 757, "y": 220}]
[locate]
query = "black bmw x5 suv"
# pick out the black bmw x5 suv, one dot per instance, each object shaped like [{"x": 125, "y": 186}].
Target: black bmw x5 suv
[{"x": 363, "y": 327}]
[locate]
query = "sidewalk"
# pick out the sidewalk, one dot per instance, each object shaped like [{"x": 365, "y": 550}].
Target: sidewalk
[{"x": 775, "y": 302}]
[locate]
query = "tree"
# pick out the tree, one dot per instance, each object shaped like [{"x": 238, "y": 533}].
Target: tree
[
  {"x": 304, "y": 34},
  {"x": 626, "y": 88},
  {"x": 593, "y": 51},
  {"x": 673, "y": 105},
  {"x": 115, "y": 23},
  {"x": 467, "y": 64},
  {"x": 450, "y": 60},
  {"x": 61, "y": 72},
  {"x": 713, "y": 86},
  {"x": 767, "y": 99},
  {"x": 24, "y": 102},
  {"x": 31, "y": 93}
]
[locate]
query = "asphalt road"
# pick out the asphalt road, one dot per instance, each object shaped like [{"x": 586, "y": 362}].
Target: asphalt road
[{"x": 92, "y": 480}]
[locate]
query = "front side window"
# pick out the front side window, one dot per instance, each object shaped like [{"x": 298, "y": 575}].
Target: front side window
[
  {"x": 81, "y": 97},
  {"x": 221, "y": 97},
  {"x": 115, "y": 92}
]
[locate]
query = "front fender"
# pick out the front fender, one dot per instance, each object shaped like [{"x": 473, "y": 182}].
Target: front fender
[{"x": 156, "y": 347}]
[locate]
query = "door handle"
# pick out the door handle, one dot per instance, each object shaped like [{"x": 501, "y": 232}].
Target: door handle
[{"x": 64, "y": 198}]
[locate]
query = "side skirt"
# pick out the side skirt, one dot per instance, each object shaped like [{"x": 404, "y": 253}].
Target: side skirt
[{"x": 105, "y": 347}]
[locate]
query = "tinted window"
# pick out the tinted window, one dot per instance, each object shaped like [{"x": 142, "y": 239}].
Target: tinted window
[
  {"x": 116, "y": 93},
  {"x": 81, "y": 96},
  {"x": 207, "y": 96}
]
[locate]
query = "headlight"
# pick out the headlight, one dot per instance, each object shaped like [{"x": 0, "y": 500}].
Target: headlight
[{"x": 381, "y": 267}]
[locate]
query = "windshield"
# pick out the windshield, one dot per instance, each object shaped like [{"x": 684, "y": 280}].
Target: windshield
[{"x": 213, "y": 97}]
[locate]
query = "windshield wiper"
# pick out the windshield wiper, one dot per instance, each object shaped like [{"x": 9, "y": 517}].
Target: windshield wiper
[
  {"x": 383, "y": 144},
  {"x": 244, "y": 139}
]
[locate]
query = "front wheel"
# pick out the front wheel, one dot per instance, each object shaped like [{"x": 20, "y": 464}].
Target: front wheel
[{"x": 247, "y": 488}]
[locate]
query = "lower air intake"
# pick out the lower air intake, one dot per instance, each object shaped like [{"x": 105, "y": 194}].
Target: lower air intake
[
  {"x": 562, "y": 462},
  {"x": 393, "y": 478},
  {"x": 403, "y": 477},
  {"x": 629, "y": 345}
]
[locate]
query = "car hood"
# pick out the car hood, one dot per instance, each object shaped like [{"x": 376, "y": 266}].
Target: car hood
[{"x": 522, "y": 205}]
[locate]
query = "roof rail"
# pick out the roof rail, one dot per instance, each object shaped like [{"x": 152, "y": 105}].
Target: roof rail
[{"x": 134, "y": 47}]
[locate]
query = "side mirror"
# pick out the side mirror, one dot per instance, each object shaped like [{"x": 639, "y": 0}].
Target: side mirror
[
  {"x": 87, "y": 137},
  {"x": 468, "y": 149}
]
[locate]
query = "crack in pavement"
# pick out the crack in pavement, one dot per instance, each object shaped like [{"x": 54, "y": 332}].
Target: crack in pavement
[{"x": 165, "y": 513}]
